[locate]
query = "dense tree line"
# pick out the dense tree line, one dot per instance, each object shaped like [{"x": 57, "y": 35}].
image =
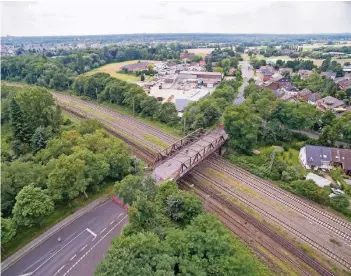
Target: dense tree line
[
  {"x": 50, "y": 161},
  {"x": 207, "y": 112},
  {"x": 59, "y": 72},
  {"x": 102, "y": 87},
  {"x": 168, "y": 234}
]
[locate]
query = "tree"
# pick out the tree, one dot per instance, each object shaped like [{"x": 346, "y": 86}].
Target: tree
[
  {"x": 18, "y": 124},
  {"x": 167, "y": 113},
  {"x": 309, "y": 189},
  {"x": 250, "y": 89},
  {"x": 218, "y": 69},
  {"x": 32, "y": 205},
  {"x": 183, "y": 207},
  {"x": 127, "y": 188},
  {"x": 340, "y": 203},
  {"x": 89, "y": 126},
  {"x": 15, "y": 176},
  {"x": 242, "y": 126},
  {"x": 67, "y": 180},
  {"x": 40, "y": 138},
  {"x": 142, "y": 77},
  {"x": 8, "y": 230}
]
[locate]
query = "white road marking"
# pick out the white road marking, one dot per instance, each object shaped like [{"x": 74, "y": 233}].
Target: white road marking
[
  {"x": 83, "y": 248},
  {"x": 59, "y": 270},
  {"x": 45, "y": 255},
  {"x": 48, "y": 259},
  {"x": 102, "y": 231},
  {"x": 112, "y": 222},
  {"x": 91, "y": 232},
  {"x": 91, "y": 221},
  {"x": 73, "y": 257},
  {"x": 94, "y": 246},
  {"x": 93, "y": 239},
  {"x": 119, "y": 215},
  {"x": 27, "y": 274}
]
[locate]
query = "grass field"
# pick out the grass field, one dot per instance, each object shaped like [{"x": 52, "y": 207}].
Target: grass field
[
  {"x": 112, "y": 69},
  {"x": 201, "y": 51},
  {"x": 317, "y": 62}
]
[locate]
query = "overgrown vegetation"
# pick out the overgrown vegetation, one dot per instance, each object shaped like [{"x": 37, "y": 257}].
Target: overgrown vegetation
[
  {"x": 168, "y": 234},
  {"x": 49, "y": 162}
]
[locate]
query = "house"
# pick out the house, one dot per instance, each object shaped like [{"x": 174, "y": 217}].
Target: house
[
  {"x": 342, "y": 158},
  {"x": 343, "y": 83},
  {"x": 136, "y": 66},
  {"x": 347, "y": 68},
  {"x": 315, "y": 157},
  {"x": 278, "y": 93},
  {"x": 202, "y": 62},
  {"x": 304, "y": 94},
  {"x": 330, "y": 103},
  {"x": 313, "y": 98},
  {"x": 304, "y": 73},
  {"x": 232, "y": 70},
  {"x": 329, "y": 75},
  {"x": 186, "y": 56},
  {"x": 265, "y": 73}
]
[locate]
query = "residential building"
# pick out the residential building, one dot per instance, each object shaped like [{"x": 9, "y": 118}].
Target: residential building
[
  {"x": 186, "y": 56},
  {"x": 347, "y": 68},
  {"x": 313, "y": 98},
  {"x": 330, "y": 103},
  {"x": 329, "y": 75},
  {"x": 318, "y": 157},
  {"x": 304, "y": 94},
  {"x": 136, "y": 66},
  {"x": 343, "y": 83},
  {"x": 265, "y": 73},
  {"x": 304, "y": 73}
]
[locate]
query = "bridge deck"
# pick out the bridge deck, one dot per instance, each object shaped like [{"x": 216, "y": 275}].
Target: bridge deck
[{"x": 189, "y": 156}]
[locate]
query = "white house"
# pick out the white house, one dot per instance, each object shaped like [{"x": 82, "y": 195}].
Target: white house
[{"x": 316, "y": 157}]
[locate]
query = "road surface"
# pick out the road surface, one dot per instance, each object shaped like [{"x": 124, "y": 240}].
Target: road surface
[
  {"x": 83, "y": 245},
  {"x": 247, "y": 73}
]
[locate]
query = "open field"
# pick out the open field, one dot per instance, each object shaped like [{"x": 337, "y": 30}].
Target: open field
[
  {"x": 112, "y": 69},
  {"x": 317, "y": 45},
  {"x": 317, "y": 62},
  {"x": 201, "y": 51}
]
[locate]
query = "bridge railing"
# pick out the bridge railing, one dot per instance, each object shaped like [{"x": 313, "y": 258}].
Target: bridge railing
[{"x": 175, "y": 147}]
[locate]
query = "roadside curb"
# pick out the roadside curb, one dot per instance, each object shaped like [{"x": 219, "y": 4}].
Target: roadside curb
[{"x": 43, "y": 237}]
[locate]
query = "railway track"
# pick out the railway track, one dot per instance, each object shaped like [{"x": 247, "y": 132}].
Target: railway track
[
  {"x": 245, "y": 233},
  {"x": 233, "y": 170},
  {"x": 344, "y": 263},
  {"x": 245, "y": 179},
  {"x": 167, "y": 138}
]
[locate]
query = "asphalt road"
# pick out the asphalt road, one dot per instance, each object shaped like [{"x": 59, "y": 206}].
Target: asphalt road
[
  {"x": 83, "y": 245},
  {"x": 247, "y": 73}
]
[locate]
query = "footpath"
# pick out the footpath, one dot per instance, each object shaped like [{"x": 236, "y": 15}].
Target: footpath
[{"x": 36, "y": 242}]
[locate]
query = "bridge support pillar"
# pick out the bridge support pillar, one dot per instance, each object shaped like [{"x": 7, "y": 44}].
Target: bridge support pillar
[{"x": 221, "y": 150}]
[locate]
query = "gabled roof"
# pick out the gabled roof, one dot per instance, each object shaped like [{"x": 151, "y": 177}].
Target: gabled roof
[
  {"x": 329, "y": 74},
  {"x": 317, "y": 155},
  {"x": 305, "y": 92}
]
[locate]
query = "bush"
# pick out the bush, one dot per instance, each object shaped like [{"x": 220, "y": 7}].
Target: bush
[{"x": 340, "y": 203}]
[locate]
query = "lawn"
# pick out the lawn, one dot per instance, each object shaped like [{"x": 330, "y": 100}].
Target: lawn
[
  {"x": 112, "y": 69},
  {"x": 24, "y": 237}
]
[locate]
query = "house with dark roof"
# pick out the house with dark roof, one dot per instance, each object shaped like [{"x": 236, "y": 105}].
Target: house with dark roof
[
  {"x": 136, "y": 66},
  {"x": 317, "y": 157},
  {"x": 329, "y": 75},
  {"x": 304, "y": 73},
  {"x": 343, "y": 83},
  {"x": 330, "y": 103},
  {"x": 265, "y": 73},
  {"x": 304, "y": 94},
  {"x": 313, "y": 98}
]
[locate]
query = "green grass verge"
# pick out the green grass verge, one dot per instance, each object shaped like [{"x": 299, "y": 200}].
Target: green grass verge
[
  {"x": 25, "y": 236},
  {"x": 156, "y": 141}
]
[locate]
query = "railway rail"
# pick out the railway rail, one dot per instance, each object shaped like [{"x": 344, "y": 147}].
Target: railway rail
[
  {"x": 265, "y": 229},
  {"x": 245, "y": 233},
  {"x": 230, "y": 169},
  {"x": 344, "y": 263},
  {"x": 245, "y": 179},
  {"x": 233, "y": 170}
]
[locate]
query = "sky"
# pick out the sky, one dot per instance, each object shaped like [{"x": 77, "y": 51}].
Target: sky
[{"x": 126, "y": 17}]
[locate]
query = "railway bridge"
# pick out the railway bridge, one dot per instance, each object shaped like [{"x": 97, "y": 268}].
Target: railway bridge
[{"x": 179, "y": 158}]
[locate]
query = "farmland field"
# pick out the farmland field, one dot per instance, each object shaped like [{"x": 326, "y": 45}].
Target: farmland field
[
  {"x": 317, "y": 62},
  {"x": 201, "y": 51},
  {"x": 112, "y": 69}
]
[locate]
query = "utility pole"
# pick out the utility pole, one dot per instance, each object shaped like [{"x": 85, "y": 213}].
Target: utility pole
[
  {"x": 96, "y": 93},
  {"x": 134, "y": 106}
]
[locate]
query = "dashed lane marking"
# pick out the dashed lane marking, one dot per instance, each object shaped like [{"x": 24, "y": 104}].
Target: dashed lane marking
[
  {"x": 73, "y": 257},
  {"x": 58, "y": 271},
  {"x": 83, "y": 248},
  {"x": 102, "y": 231}
]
